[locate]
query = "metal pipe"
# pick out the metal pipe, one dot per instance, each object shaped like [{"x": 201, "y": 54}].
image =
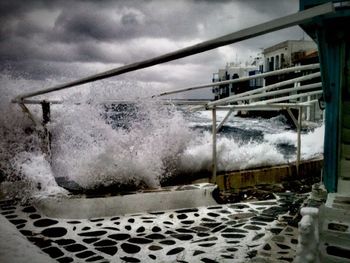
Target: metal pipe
[
  {"x": 214, "y": 162},
  {"x": 260, "y": 108},
  {"x": 291, "y": 115},
  {"x": 277, "y": 92},
  {"x": 273, "y": 25},
  {"x": 270, "y": 101},
  {"x": 262, "y": 75},
  {"x": 26, "y": 101},
  {"x": 224, "y": 120},
  {"x": 277, "y": 106},
  {"x": 308, "y": 103},
  {"x": 291, "y": 97},
  {"x": 170, "y": 101},
  {"x": 299, "y": 139},
  {"x": 239, "y": 96}
]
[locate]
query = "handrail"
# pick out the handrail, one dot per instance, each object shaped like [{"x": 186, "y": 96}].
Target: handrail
[
  {"x": 272, "y": 102},
  {"x": 274, "y": 106},
  {"x": 241, "y": 79},
  {"x": 111, "y": 101},
  {"x": 237, "y": 97},
  {"x": 291, "y": 97},
  {"x": 267, "y": 27},
  {"x": 278, "y": 92},
  {"x": 265, "y": 88}
]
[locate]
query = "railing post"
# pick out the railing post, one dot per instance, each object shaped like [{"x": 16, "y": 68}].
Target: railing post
[
  {"x": 297, "y": 124},
  {"x": 300, "y": 112},
  {"x": 45, "y": 106},
  {"x": 214, "y": 163},
  {"x": 46, "y": 136}
]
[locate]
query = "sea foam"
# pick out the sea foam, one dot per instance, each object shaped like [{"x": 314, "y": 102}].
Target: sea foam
[{"x": 156, "y": 142}]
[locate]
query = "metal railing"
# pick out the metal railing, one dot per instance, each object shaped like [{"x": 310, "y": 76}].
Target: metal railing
[
  {"x": 254, "y": 31},
  {"x": 242, "y": 79}
]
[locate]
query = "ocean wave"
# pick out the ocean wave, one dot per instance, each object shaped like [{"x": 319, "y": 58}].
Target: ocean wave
[{"x": 158, "y": 142}]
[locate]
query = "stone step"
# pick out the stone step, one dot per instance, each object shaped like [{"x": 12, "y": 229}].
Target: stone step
[
  {"x": 336, "y": 207},
  {"x": 332, "y": 234},
  {"x": 332, "y": 253},
  {"x": 345, "y": 169},
  {"x": 345, "y": 151},
  {"x": 335, "y": 230}
]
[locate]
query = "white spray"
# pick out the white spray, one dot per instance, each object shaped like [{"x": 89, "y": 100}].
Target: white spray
[{"x": 157, "y": 142}]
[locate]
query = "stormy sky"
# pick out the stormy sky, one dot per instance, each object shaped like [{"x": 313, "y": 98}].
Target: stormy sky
[{"x": 66, "y": 40}]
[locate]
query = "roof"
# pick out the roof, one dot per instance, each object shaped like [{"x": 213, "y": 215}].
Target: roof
[{"x": 283, "y": 44}]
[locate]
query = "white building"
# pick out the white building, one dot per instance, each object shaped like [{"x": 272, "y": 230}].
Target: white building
[
  {"x": 284, "y": 54},
  {"x": 234, "y": 71}
]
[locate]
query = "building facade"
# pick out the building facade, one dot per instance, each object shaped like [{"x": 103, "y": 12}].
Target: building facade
[
  {"x": 282, "y": 55},
  {"x": 293, "y": 53},
  {"x": 233, "y": 71},
  {"x": 286, "y": 54}
]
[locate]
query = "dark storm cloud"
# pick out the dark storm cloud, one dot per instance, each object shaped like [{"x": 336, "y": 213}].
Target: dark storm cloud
[
  {"x": 12, "y": 8},
  {"x": 273, "y": 7},
  {"x": 44, "y": 39},
  {"x": 12, "y": 13},
  {"x": 81, "y": 26},
  {"x": 123, "y": 21}
]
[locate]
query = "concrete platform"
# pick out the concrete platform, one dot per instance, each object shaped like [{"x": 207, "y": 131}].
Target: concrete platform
[{"x": 14, "y": 247}]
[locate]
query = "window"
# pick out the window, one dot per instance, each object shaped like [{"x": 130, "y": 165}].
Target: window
[
  {"x": 282, "y": 60},
  {"x": 277, "y": 64},
  {"x": 272, "y": 64},
  {"x": 267, "y": 64}
]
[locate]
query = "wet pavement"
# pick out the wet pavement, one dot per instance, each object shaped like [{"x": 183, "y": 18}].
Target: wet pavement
[{"x": 262, "y": 231}]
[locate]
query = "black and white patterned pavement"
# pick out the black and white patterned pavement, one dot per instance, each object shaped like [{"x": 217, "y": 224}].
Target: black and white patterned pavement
[{"x": 221, "y": 233}]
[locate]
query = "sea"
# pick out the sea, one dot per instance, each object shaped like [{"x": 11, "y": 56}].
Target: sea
[{"x": 95, "y": 142}]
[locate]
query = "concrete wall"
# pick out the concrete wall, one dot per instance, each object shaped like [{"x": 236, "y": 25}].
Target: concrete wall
[
  {"x": 269, "y": 175},
  {"x": 82, "y": 207}
]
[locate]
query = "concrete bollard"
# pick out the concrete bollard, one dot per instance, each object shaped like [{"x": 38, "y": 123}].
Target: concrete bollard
[{"x": 307, "y": 249}]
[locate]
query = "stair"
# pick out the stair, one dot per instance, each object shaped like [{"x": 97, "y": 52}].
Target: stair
[
  {"x": 334, "y": 230},
  {"x": 344, "y": 166}
]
